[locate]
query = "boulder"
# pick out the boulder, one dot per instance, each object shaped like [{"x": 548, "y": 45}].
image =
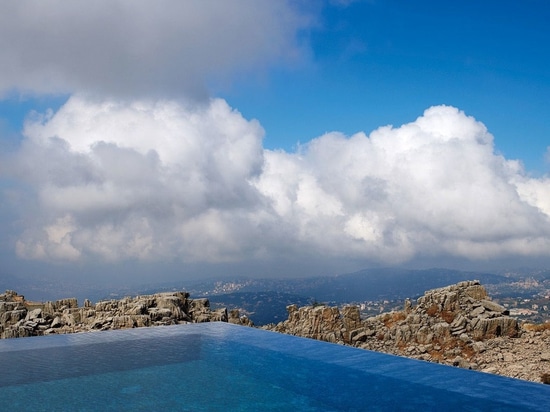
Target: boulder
[
  {"x": 494, "y": 327},
  {"x": 492, "y": 306},
  {"x": 446, "y": 323},
  {"x": 64, "y": 315}
]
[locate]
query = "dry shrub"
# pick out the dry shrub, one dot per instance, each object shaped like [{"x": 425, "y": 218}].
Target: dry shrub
[
  {"x": 447, "y": 316},
  {"x": 436, "y": 355},
  {"x": 397, "y": 316},
  {"x": 432, "y": 310},
  {"x": 466, "y": 351},
  {"x": 536, "y": 327},
  {"x": 389, "y": 321}
]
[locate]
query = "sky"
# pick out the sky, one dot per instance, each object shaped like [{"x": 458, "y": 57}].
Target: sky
[{"x": 151, "y": 141}]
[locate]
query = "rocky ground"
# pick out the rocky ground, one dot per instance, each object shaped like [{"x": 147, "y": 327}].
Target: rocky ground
[
  {"x": 526, "y": 357},
  {"x": 21, "y": 318},
  {"x": 457, "y": 325}
]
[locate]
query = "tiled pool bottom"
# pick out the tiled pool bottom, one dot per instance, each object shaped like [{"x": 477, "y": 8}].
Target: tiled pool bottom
[{"x": 223, "y": 367}]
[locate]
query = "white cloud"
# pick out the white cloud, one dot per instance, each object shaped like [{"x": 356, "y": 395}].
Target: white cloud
[
  {"x": 133, "y": 175},
  {"x": 138, "y": 47},
  {"x": 157, "y": 181},
  {"x": 431, "y": 187}
]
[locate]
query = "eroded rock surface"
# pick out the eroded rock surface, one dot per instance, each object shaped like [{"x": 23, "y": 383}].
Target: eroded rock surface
[
  {"x": 456, "y": 325},
  {"x": 20, "y": 318}
]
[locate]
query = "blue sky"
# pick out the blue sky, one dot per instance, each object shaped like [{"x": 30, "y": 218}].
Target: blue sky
[
  {"x": 372, "y": 63},
  {"x": 384, "y": 62},
  {"x": 272, "y": 138}
]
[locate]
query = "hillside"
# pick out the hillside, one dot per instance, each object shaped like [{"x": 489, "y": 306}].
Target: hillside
[
  {"x": 456, "y": 325},
  {"x": 265, "y": 300}
]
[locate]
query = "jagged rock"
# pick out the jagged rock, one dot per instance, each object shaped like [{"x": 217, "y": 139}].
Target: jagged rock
[
  {"x": 64, "y": 316},
  {"x": 139, "y": 308},
  {"x": 447, "y": 325},
  {"x": 236, "y": 318},
  {"x": 56, "y": 322},
  {"x": 476, "y": 312},
  {"x": 493, "y": 327},
  {"x": 352, "y": 317},
  {"x": 122, "y": 322},
  {"x": 361, "y": 336},
  {"x": 219, "y": 315},
  {"x": 34, "y": 314},
  {"x": 441, "y": 331},
  {"x": 158, "y": 314},
  {"x": 13, "y": 316},
  {"x": 492, "y": 306},
  {"x": 461, "y": 363},
  {"x": 475, "y": 291},
  {"x": 458, "y": 324},
  {"x": 68, "y": 319}
]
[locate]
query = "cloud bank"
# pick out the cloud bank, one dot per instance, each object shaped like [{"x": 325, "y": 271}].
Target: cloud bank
[
  {"x": 114, "y": 181},
  {"x": 138, "y": 47},
  {"x": 141, "y": 165}
]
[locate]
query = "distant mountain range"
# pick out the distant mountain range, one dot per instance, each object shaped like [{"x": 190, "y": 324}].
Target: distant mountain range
[
  {"x": 265, "y": 300},
  {"x": 365, "y": 285}
]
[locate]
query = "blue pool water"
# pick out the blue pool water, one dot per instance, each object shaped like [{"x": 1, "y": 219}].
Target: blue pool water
[{"x": 224, "y": 367}]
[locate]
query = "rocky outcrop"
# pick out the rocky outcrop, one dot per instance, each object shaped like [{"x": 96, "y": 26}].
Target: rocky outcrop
[
  {"x": 238, "y": 319},
  {"x": 457, "y": 325},
  {"x": 442, "y": 316},
  {"x": 20, "y": 318}
]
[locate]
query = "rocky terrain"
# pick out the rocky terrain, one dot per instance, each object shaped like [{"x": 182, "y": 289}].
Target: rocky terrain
[
  {"x": 21, "y": 318},
  {"x": 456, "y": 325}
]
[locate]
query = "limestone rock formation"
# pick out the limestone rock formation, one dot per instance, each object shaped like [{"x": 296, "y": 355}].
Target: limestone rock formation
[
  {"x": 457, "y": 325},
  {"x": 462, "y": 311},
  {"x": 236, "y": 318},
  {"x": 20, "y": 318}
]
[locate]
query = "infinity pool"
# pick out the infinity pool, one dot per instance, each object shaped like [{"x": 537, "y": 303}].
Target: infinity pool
[{"x": 224, "y": 367}]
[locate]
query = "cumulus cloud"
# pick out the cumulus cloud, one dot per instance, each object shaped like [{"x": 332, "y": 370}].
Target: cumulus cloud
[
  {"x": 138, "y": 47},
  {"x": 123, "y": 180},
  {"x": 150, "y": 181},
  {"x": 434, "y": 187}
]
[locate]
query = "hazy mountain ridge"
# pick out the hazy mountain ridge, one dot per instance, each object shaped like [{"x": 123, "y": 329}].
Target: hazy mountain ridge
[
  {"x": 265, "y": 300},
  {"x": 368, "y": 284}
]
